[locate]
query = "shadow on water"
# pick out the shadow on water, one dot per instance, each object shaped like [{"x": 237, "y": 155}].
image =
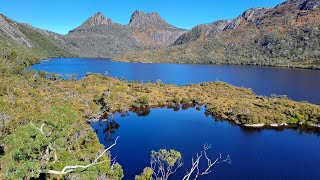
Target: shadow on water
[{"x": 109, "y": 128}]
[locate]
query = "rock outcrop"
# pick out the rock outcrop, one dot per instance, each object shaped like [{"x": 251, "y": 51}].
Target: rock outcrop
[
  {"x": 96, "y": 20},
  {"x": 140, "y": 20},
  {"x": 11, "y": 30},
  {"x": 310, "y": 5},
  {"x": 24, "y": 37},
  {"x": 152, "y": 30},
  {"x": 203, "y": 30},
  {"x": 100, "y": 37}
]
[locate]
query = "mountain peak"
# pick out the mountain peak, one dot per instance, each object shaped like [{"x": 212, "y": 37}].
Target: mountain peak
[
  {"x": 98, "y": 19},
  {"x": 95, "y": 20},
  {"x": 140, "y": 19},
  {"x": 139, "y": 13}
]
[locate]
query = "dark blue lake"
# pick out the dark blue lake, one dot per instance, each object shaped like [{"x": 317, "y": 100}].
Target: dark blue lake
[
  {"x": 255, "y": 154},
  {"x": 297, "y": 84}
]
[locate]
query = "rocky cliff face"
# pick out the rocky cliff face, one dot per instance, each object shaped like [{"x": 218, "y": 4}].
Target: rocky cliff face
[
  {"x": 309, "y": 5},
  {"x": 202, "y": 31},
  {"x": 300, "y": 5},
  {"x": 24, "y": 37},
  {"x": 140, "y": 21},
  {"x": 250, "y": 16},
  {"x": 152, "y": 30},
  {"x": 96, "y": 20},
  {"x": 11, "y": 30},
  {"x": 100, "y": 37}
]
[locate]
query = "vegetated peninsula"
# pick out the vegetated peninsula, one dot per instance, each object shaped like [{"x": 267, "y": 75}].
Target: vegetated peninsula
[{"x": 286, "y": 35}]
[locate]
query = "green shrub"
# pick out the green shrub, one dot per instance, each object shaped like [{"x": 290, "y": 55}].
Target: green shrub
[
  {"x": 176, "y": 100},
  {"x": 143, "y": 101},
  {"x": 297, "y": 118}
]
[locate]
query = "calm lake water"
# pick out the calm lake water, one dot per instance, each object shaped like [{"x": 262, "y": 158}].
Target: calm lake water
[
  {"x": 255, "y": 154},
  {"x": 298, "y": 84}
]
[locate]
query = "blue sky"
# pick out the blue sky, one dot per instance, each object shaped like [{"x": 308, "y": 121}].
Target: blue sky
[{"x": 63, "y": 15}]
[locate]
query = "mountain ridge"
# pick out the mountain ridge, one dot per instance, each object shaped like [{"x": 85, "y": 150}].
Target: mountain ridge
[
  {"x": 99, "y": 36},
  {"x": 286, "y": 35}
]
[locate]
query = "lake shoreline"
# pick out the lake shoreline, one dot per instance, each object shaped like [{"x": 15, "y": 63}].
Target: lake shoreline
[
  {"x": 114, "y": 59},
  {"x": 141, "y": 111},
  {"x": 316, "y": 68}
]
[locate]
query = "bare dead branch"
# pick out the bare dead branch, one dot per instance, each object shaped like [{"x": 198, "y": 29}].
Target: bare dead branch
[
  {"x": 40, "y": 129},
  {"x": 195, "y": 164},
  {"x": 68, "y": 169}
]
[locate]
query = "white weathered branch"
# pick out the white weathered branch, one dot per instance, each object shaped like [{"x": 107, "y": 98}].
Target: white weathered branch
[
  {"x": 210, "y": 164},
  {"x": 195, "y": 165},
  {"x": 68, "y": 169},
  {"x": 40, "y": 129}
]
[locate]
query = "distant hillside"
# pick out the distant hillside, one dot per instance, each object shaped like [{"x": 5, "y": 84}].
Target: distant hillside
[
  {"x": 97, "y": 37},
  {"x": 22, "y": 45},
  {"x": 286, "y": 35},
  {"x": 101, "y": 37},
  {"x": 47, "y": 43}
]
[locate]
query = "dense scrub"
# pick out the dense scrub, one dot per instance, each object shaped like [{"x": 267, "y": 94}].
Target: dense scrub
[
  {"x": 223, "y": 100},
  {"x": 43, "y": 125},
  {"x": 46, "y": 45}
]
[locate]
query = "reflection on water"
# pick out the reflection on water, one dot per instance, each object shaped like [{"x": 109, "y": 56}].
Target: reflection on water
[
  {"x": 108, "y": 129},
  {"x": 256, "y": 153},
  {"x": 298, "y": 84}
]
